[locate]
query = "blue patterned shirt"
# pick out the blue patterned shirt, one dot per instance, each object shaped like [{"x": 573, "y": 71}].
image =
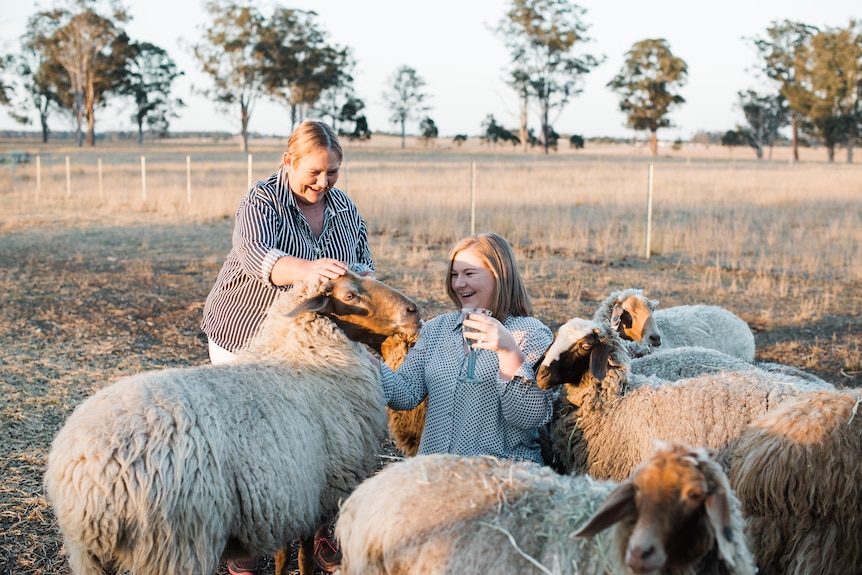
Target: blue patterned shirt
[{"x": 494, "y": 417}]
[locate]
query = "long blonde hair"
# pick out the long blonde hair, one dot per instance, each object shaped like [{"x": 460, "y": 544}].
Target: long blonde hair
[
  {"x": 311, "y": 136},
  {"x": 510, "y": 295}
]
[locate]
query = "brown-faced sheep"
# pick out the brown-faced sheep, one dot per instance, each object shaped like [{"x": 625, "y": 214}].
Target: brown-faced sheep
[
  {"x": 676, "y": 514},
  {"x": 606, "y": 418},
  {"x": 169, "y": 471},
  {"x": 636, "y": 318},
  {"x": 798, "y": 471}
]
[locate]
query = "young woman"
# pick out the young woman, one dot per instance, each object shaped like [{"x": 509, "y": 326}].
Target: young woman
[{"x": 499, "y": 412}]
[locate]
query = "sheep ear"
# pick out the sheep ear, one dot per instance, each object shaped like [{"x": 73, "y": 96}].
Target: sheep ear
[
  {"x": 616, "y": 507},
  {"x": 616, "y": 315},
  {"x": 599, "y": 360},
  {"x": 718, "y": 512},
  {"x": 318, "y": 304}
]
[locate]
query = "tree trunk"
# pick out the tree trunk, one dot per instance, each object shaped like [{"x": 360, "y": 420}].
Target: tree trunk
[
  {"x": 403, "y": 131},
  {"x": 851, "y": 137},
  {"x": 653, "y": 142},
  {"x": 43, "y": 118},
  {"x": 140, "y": 130},
  {"x": 522, "y": 129},
  {"x": 794, "y": 137},
  {"x": 244, "y": 118},
  {"x": 79, "y": 118},
  {"x": 830, "y": 153}
]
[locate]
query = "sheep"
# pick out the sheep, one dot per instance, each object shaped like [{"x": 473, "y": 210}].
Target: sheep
[
  {"x": 606, "y": 417},
  {"x": 798, "y": 471},
  {"x": 636, "y": 318},
  {"x": 675, "y": 514},
  {"x": 169, "y": 471}
]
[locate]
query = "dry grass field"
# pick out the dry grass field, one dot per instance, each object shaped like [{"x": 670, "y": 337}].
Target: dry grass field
[{"x": 101, "y": 277}]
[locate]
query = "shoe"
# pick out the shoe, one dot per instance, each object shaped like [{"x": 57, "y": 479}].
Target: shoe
[
  {"x": 327, "y": 555},
  {"x": 244, "y": 566}
]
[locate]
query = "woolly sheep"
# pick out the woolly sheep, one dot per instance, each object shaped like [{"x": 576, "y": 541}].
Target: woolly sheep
[
  {"x": 676, "y": 514},
  {"x": 799, "y": 473},
  {"x": 636, "y": 318},
  {"x": 167, "y": 471},
  {"x": 605, "y": 417}
]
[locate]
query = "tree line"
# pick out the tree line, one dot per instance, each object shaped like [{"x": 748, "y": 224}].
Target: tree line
[{"x": 76, "y": 57}]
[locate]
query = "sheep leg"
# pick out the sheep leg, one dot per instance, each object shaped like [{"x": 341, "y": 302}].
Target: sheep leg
[
  {"x": 306, "y": 557},
  {"x": 282, "y": 558}
]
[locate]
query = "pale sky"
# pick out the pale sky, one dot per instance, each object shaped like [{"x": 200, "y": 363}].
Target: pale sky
[{"x": 451, "y": 45}]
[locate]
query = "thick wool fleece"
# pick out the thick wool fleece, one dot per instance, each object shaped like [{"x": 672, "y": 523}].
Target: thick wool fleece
[
  {"x": 485, "y": 515},
  {"x": 606, "y": 428},
  {"x": 799, "y": 473},
  {"x": 165, "y": 471},
  {"x": 705, "y": 326}
]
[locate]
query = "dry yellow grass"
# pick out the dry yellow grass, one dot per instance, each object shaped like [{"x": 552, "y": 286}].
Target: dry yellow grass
[{"x": 95, "y": 288}]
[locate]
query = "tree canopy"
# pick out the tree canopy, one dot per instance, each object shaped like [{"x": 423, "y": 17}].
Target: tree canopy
[
  {"x": 648, "y": 84},
  {"x": 542, "y": 36},
  {"x": 405, "y": 98}
]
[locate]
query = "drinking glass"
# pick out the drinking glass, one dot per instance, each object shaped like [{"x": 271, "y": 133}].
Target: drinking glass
[{"x": 470, "y": 377}]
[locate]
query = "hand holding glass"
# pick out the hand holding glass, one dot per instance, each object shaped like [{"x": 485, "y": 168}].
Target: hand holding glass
[{"x": 470, "y": 377}]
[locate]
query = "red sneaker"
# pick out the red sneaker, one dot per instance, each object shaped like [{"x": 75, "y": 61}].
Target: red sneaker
[
  {"x": 327, "y": 555},
  {"x": 244, "y": 566}
]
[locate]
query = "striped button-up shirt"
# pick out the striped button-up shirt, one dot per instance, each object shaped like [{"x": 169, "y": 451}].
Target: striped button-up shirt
[{"x": 269, "y": 225}]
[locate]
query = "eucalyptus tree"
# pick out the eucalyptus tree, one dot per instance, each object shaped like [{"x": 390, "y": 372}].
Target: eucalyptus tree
[
  {"x": 150, "y": 72},
  {"x": 405, "y": 98},
  {"x": 765, "y": 115},
  {"x": 784, "y": 51},
  {"x": 301, "y": 64},
  {"x": 90, "y": 47},
  {"x": 834, "y": 75},
  {"x": 542, "y": 37},
  {"x": 648, "y": 84},
  {"x": 36, "y": 86},
  {"x": 231, "y": 53}
]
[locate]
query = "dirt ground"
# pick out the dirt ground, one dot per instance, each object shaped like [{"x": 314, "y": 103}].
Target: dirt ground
[{"x": 83, "y": 305}]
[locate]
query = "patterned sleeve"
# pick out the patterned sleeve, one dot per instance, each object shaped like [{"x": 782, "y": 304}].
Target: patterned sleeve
[
  {"x": 255, "y": 233},
  {"x": 524, "y": 405},
  {"x": 406, "y": 388}
]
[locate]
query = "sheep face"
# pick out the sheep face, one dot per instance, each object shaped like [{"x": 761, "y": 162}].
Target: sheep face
[
  {"x": 578, "y": 345},
  {"x": 366, "y": 309},
  {"x": 633, "y": 320},
  {"x": 671, "y": 512}
]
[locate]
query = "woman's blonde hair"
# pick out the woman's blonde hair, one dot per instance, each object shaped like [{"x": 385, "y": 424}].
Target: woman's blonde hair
[
  {"x": 510, "y": 295},
  {"x": 311, "y": 136}
]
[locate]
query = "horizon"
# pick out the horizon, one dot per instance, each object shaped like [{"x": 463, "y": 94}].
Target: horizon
[{"x": 464, "y": 78}]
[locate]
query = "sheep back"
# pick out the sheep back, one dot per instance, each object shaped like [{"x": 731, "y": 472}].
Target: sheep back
[
  {"x": 799, "y": 474},
  {"x": 686, "y": 361},
  {"x": 164, "y": 471},
  {"x": 606, "y": 428},
  {"x": 479, "y": 515},
  {"x": 705, "y": 326}
]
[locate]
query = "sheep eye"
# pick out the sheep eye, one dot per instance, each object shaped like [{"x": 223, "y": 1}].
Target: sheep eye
[
  {"x": 695, "y": 494},
  {"x": 349, "y": 296},
  {"x": 586, "y": 345}
]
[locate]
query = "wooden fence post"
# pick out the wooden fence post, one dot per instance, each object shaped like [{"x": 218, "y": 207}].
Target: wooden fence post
[
  {"x": 143, "y": 178},
  {"x": 649, "y": 211},
  {"x": 472, "y": 198},
  {"x": 68, "y": 178}
]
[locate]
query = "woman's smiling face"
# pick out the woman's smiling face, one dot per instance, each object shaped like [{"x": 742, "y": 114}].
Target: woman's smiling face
[
  {"x": 313, "y": 175},
  {"x": 472, "y": 281}
]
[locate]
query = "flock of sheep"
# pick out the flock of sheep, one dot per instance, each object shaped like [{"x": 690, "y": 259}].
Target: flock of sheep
[{"x": 670, "y": 451}]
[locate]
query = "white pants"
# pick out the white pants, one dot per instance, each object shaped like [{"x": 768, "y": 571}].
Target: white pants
[{"x": 218, "y": 354}]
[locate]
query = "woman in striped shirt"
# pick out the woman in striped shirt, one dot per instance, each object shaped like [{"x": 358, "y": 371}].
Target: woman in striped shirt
[{"x": 293, "y": 226}]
